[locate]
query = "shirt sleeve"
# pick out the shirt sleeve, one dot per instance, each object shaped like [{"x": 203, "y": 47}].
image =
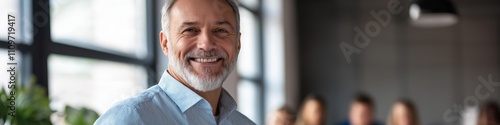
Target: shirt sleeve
[{"x": 120, "y": 115}]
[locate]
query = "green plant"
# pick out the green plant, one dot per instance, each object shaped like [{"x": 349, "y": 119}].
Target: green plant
[
  {"x": 31, "y": 105},
  {"x": 82, "y": 116}
]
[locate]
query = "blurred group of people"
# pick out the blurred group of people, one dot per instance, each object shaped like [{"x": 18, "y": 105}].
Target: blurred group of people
[{"x": 362, "y": 109}]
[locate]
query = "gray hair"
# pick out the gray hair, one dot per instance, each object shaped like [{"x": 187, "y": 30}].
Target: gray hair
[{"x": 165, "y": 11}]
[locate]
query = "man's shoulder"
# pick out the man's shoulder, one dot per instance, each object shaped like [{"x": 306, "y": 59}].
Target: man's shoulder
[
  {"x": 141, "y": 98},
  {"x": 142, "y": 108},
  {"x": 144, "y": 101}
]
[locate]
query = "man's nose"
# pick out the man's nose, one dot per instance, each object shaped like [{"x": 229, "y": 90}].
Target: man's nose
[{"x": 206, "y": 41}]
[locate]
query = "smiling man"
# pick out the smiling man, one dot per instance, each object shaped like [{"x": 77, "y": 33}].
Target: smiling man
[{"x": 202, "y": 40}]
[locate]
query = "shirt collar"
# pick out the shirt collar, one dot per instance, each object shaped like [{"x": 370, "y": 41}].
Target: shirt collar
[
  {"x": 226, "y": 105},
  {"x": 185, "y": 98}
]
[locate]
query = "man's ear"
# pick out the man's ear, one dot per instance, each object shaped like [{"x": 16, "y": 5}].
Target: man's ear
[
  {"x": 239, "y": 43},
  {"x": 163, "y": 43}
]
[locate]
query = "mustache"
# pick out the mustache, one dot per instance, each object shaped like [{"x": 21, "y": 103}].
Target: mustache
[{"x": 203, "y": 53}]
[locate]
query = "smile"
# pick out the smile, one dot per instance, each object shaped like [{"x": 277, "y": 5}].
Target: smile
[{"x": 205, "y": 60}]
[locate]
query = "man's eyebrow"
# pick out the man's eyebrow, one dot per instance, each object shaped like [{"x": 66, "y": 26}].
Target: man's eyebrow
[
  {"x": 186, "y": 24},
  {"x": 224, "y": 23},
  {"x": 192, "y": 23}
]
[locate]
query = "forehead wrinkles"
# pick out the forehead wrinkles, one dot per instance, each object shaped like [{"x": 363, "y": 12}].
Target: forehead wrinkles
[
  {"x": 223, "y": 11},
  {"x": 227, "y": 11},
  {"x": 220, "y": 4},
  {"x": 219, "y": 10}
]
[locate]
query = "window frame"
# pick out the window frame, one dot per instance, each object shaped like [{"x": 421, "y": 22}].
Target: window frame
[
  {"x": 259, "y": 79},
  {"x": 42, "y": 45}
]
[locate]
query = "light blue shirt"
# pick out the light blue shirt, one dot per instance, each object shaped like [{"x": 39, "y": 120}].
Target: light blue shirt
[{"x": 172, "y": 103}]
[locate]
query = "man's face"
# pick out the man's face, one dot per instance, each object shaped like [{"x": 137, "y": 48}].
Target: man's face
[
  {"x": 203, "y": 42},
  {"x": 361, "y": 114}
]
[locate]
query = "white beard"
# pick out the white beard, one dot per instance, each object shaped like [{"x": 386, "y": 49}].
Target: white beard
[{"x": 201, "y": 83}]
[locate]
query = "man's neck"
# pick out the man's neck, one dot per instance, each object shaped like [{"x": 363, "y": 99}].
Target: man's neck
[{"x": 211, "y": 96}]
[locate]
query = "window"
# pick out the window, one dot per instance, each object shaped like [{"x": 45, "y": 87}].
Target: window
[
  {"x": 5, "y": 76},
  {"x": 8, "y": 7},
  {"x": 248, "y": 100},
  {"x": 248, "y": 61},
  {"x": 249, "y": 65},
  {"x": 101, "y": 54},
  {"x": 92, "y": 54},
  {"x": 96, "y": 84},
  {"x": 117, "y": 25},
  {"x": 17, "y": 8}
]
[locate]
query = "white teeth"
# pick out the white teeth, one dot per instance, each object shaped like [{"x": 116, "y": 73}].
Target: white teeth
[{"x": 205, "y": 60}]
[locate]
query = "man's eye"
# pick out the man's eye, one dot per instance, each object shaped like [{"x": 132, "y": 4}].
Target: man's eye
[
  {"x": 221, "y": 31},
  {"x": 190, "y": 31}
]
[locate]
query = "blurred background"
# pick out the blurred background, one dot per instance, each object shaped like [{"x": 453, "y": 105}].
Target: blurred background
[{"x": 93, "y": 53}]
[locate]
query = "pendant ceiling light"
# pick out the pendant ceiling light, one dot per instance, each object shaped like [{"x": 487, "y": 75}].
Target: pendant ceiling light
[{"x": 433, "y": 13}]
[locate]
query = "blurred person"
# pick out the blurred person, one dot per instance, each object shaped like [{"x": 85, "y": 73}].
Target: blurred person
[
  {"x": 361, "y": 112},
  {"x": 312, "y": 112},
  {"x": 282, "y": 116},
  {"x": 202, "y": 44},
  {"x": 403, "y": 112},
  {"x": 489, "y": 114}
]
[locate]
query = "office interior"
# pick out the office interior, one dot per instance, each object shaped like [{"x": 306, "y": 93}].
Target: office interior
[{"x": 94, "y": 53}]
